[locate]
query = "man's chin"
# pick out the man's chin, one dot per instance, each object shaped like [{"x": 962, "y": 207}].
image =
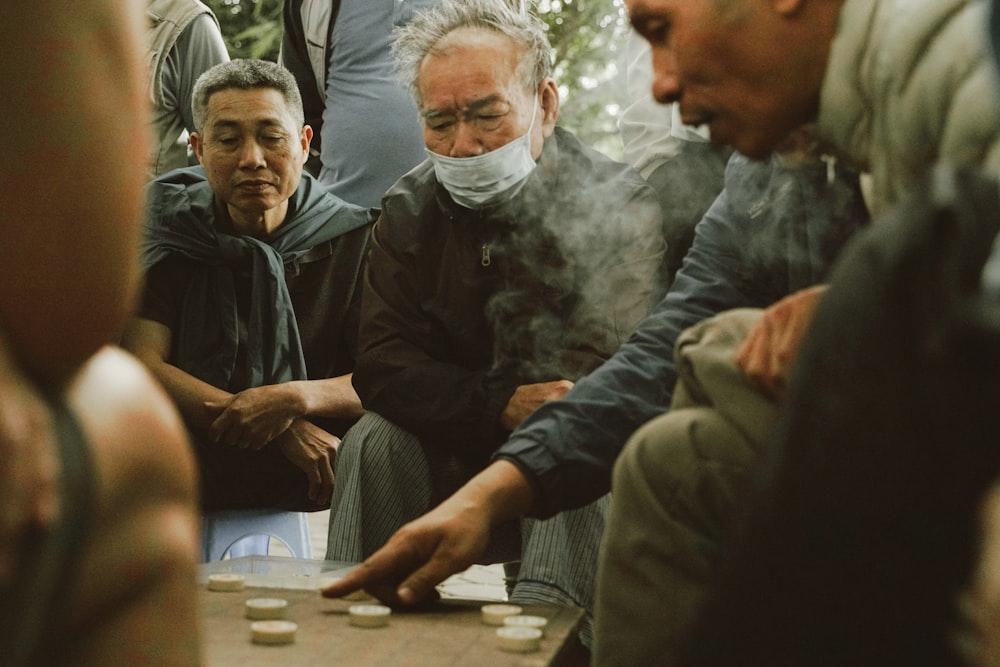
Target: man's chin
[
  {"x": 754, "y": 147},
  {"x": 255, "y": 203}
]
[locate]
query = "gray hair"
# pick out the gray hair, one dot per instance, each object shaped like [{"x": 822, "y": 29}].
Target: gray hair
[
  {"x": 413, "y": 42},
  {"x": 245, "y": 75}
]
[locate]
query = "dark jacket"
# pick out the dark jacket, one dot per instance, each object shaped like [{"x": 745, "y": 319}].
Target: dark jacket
[
  {"x": 461, "y": 306},
  {"x": 243, "y": 313},
  {"x": 773, "y": 230}
]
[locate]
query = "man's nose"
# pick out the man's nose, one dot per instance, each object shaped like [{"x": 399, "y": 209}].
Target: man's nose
[
  {"x": 465, "y": 142},
  {"x": 666, "y": 80},
  {"x": 252, "y": 155}
]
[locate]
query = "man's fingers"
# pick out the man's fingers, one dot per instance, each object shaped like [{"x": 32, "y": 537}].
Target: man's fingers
[
  {"x": 216, "y": 410},
  {"x": 346, "y": 585},
  {"x": 743, "y": 355},
  {"x": 326, "y": 481},
  {"x": 218, "y": 427},
  {"x": 421, "y": 584},
  {"x": 750, "y": 355},
  {"x": 228, "y": 431},
  {"x": 315, "y": 482},
  {"x": 377, "y": 575}
]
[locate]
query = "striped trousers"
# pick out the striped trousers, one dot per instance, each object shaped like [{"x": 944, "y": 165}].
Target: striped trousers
[{"x": 384, "y": 480}]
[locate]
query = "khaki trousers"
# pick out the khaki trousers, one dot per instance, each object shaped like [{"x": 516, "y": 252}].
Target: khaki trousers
[{"x": 674, "y": 490}]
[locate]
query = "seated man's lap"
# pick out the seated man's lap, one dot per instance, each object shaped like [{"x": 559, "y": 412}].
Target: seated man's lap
[
  {"x": 235, "y": 478},
  {"x": 382, "y": 481},
  {"x": 386, "y": 477},
  {"x": 675, "y": 491}
]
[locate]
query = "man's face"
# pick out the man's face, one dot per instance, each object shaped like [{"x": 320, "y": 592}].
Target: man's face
[
  {"x": 743, "y": 68},
  {"x": 252, "y": 151},
  {"x": 473, "y": 100}
]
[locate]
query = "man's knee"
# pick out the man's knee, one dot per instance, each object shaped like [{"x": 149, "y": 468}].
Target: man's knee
[
  {"x": 687, "y": 460},
  {"x": 660, "y": 454},
  {"x": 375, "y": 443}
]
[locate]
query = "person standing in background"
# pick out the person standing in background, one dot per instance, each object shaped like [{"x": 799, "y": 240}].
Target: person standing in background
[
  {"x": 183, "y": 42},
  {"x": 366, "y": 125},
  {"x": 685, "y": 170}
]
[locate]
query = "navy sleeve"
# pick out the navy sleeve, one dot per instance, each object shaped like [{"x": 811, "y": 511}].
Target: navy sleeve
[{"x": 568, "y": 447}]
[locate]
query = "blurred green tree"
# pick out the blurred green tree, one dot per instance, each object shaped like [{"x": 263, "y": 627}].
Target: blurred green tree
[
  {"x": 587, "y": 39},
  {"x": 251, "y": 28}
]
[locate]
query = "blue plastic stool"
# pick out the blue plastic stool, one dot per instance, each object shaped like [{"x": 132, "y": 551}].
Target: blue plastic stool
[{"x": 249, "y": 532}]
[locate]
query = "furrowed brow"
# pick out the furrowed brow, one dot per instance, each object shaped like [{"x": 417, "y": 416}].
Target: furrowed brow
[{"x": 472, "y": 108}]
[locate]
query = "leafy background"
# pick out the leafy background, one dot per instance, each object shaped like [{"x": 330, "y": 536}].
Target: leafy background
[{"x": 587, "y": 37}]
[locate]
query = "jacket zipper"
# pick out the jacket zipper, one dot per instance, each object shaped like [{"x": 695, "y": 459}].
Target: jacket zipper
[{"x": 485, "y": 260}]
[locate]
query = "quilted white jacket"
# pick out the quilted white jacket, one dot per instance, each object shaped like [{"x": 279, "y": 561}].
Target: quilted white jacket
[{"x": 910, "y": 83}]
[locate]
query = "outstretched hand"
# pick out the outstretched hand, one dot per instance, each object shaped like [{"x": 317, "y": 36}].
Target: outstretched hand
[
  {"x": 446, "y": 540},
  {"x": 767, "y": 354},
  {"x": 421, "y": 554}
]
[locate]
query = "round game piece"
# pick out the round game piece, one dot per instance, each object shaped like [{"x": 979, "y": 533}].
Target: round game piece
[
  {"x": 225, "y": 581},
  {"x": 519, "y": 640},
  {"x": 493, "y": 614},
  {"x": 266, "y": 608},
  {"x": 369, "y": 615},
  {"x": 273, "y": 632},
  {"x": 526, "y": 622}
]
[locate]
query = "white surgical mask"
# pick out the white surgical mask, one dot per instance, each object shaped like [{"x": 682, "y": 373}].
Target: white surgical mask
[{"x": 482, "y": 180}]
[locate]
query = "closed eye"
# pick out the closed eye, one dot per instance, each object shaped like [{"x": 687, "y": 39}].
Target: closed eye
[{"x": 656, "y": 31}]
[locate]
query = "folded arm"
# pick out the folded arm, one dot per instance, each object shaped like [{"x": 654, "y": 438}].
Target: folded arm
[{"x": 255, "y": 417}]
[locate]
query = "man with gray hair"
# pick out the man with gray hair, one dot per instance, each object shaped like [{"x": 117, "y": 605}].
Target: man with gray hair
[
  {"x": 249, "y": 310},
  {"x": 512, "y": 262}
]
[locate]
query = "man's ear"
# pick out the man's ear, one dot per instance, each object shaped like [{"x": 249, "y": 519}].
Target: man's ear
[
  {"x": 549, "y": 101},
  {"x": 306, "y": 139},
  {"x": 196, "y": 145}
]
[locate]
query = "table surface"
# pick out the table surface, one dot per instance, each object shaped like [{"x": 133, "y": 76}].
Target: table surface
[{"x": 446, "y": 632}]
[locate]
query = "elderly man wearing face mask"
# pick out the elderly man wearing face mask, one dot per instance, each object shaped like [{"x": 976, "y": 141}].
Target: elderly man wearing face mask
[{"x": 511, "y": 263}]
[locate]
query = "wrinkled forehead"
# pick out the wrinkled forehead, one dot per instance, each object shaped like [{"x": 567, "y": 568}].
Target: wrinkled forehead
[{"x": 257, "y": 104}]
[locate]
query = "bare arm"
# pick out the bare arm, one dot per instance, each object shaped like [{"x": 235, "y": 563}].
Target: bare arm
[
  {"x": 250, "y": 418},
  {"x": 256, "y": 416},
  {"x": 150, "y": 342},
  {"x": 307, "y": 446}
]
